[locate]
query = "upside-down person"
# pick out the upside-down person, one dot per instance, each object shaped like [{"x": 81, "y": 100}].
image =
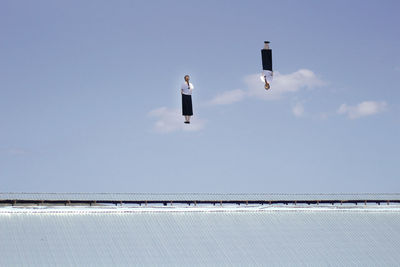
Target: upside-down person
[{"x": 266, "y": 56}]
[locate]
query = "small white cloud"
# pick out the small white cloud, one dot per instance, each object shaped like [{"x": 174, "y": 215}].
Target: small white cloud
[
  {"x": 171, "y": 120},
  {"x": 283, "y": 83},
  {"x": 365, "y": 108},
  {"x": 298, "y": 110},
  {"x": 228, "y": 97}
]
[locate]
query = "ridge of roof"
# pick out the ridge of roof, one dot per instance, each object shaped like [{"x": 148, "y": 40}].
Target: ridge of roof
[{"x": 200, "y": 197}]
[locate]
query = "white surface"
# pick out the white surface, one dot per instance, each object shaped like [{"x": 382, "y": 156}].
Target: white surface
[
  {"x": 184, "y": 236},
  {"x": 200, "y": 208}
]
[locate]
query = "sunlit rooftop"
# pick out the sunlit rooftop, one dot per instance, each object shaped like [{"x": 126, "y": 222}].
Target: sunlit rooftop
[{"x": 199, "y": 229}]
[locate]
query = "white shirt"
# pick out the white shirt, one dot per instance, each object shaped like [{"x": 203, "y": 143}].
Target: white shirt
[
  {"x": 187, "y": 89},
  {"x": 268, "y": 75}
]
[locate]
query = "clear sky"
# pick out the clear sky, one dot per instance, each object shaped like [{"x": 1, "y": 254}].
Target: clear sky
[{"x": 90, "y": 96}]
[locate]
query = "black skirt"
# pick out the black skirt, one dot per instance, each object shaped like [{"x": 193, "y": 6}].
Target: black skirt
[
  {"x": 266, "y": 56},
  {"x": 187, "y": 109}
]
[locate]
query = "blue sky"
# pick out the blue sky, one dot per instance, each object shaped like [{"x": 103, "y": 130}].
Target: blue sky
[{"x": 90, "y": 100}]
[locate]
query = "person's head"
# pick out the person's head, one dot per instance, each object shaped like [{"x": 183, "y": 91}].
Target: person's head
[{"x": 186, "y": 78}]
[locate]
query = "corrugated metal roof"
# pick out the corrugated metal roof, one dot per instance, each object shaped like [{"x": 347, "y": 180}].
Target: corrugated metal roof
[
  {"x": 192, "y": 196},
  {"x": 365, "y": 236}
]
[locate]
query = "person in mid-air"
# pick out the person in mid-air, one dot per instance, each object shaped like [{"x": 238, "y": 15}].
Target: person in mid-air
[
  {"x": 266, "y": 56},
  {"x": 186, "y": 91}
]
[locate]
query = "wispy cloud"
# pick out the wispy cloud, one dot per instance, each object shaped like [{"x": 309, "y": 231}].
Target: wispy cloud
[
  {"x": 283, "y": 84},
  {"x": 171, "y": 120},
  {"x": 298, "y": 110},
  {"x": 363, "y": 109},
  {"x": 228, "y": 97}
]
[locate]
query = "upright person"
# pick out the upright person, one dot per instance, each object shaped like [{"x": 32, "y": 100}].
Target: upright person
[
  {"x": 266, "y": 56},
  {"x": 186, "y": 91}
]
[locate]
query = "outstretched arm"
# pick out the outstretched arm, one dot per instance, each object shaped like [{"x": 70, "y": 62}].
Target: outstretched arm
[{"x": 267, "y": 86}]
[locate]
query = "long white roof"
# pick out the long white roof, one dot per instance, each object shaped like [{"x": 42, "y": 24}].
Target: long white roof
[{"x": 253, "y": 235}]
